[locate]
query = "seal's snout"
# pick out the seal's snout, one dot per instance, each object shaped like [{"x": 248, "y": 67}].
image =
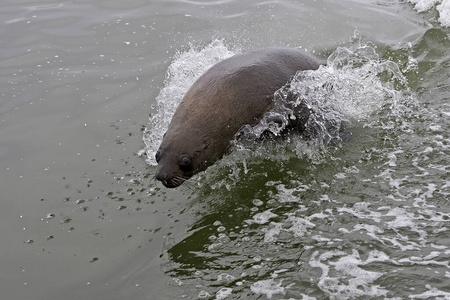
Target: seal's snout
[
  {"x": 168, "y": 180},
  {"x": 160, "y": 175}
]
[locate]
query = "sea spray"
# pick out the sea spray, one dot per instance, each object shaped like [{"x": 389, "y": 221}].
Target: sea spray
[{"x": 354, "y": 85}]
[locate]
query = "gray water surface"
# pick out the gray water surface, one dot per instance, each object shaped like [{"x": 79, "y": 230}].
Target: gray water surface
[{"x": 81, "y": 216}]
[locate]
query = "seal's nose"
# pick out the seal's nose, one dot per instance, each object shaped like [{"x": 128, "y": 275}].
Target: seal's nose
[
  {"x": 165, "y": 179},
  {"x": 161, "y": 175}
]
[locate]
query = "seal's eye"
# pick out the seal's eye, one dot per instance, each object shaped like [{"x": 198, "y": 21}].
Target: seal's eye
[
  {"x": 184, "y": 160},
  {"x": 158, "y": 155}
]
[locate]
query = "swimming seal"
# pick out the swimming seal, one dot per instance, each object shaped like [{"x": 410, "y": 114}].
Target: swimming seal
[{"x": 235, "y": 92}]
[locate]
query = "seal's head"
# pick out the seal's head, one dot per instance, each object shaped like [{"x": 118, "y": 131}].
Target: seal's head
[
  {"x": 176, "y": 172},
  {"x": 179, "y": 158},
  {"x": 194, "y": 140}
]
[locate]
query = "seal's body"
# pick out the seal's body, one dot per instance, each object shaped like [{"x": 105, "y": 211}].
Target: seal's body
[{"x": 235, "y": 92}]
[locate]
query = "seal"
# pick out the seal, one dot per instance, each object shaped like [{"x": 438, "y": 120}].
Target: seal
[{"x": 235, "y": 92}]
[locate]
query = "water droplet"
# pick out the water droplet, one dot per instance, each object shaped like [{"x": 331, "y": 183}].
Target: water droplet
[{"x": 257, "y": 202}]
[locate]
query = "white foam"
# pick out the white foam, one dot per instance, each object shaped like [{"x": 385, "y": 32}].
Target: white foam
[
  {"x": 361, "y": 210},
  {"x": 267, "y": 287},
  {"x": 424, "y": 5},
  {"x": 204, "y": 295},
  {"x": 225, "y": 278},
  {"x": 297, "y": 226},
  {"x": 442, "y": 6},
  {"x": 262, "y": 218},
  {"x": 444, "y": 13},
  {"x": 344, "y": 278},
  {"x": 286, "y": 194},
  {"x": 223, "y": 293},
  {"x": 432, "y": 293},
  {"x": 270, "y": 287}
]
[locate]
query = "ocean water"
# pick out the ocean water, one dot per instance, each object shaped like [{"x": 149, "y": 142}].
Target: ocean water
[{"x": 88, "y": 90}]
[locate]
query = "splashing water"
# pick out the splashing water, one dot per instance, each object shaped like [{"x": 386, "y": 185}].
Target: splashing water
[
  {"x": 353, "y": 85},
  {"x": 442, "y": 6},
  {"x": 369, "y": 220}
]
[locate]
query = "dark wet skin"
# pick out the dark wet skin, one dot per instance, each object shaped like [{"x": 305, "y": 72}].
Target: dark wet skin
[{"x": 235, "y": 92}]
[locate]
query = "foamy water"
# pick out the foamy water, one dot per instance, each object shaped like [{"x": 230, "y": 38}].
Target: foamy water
[
  {"x": 442, "y": 6},
  {"x": 358, "y": 225}
]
